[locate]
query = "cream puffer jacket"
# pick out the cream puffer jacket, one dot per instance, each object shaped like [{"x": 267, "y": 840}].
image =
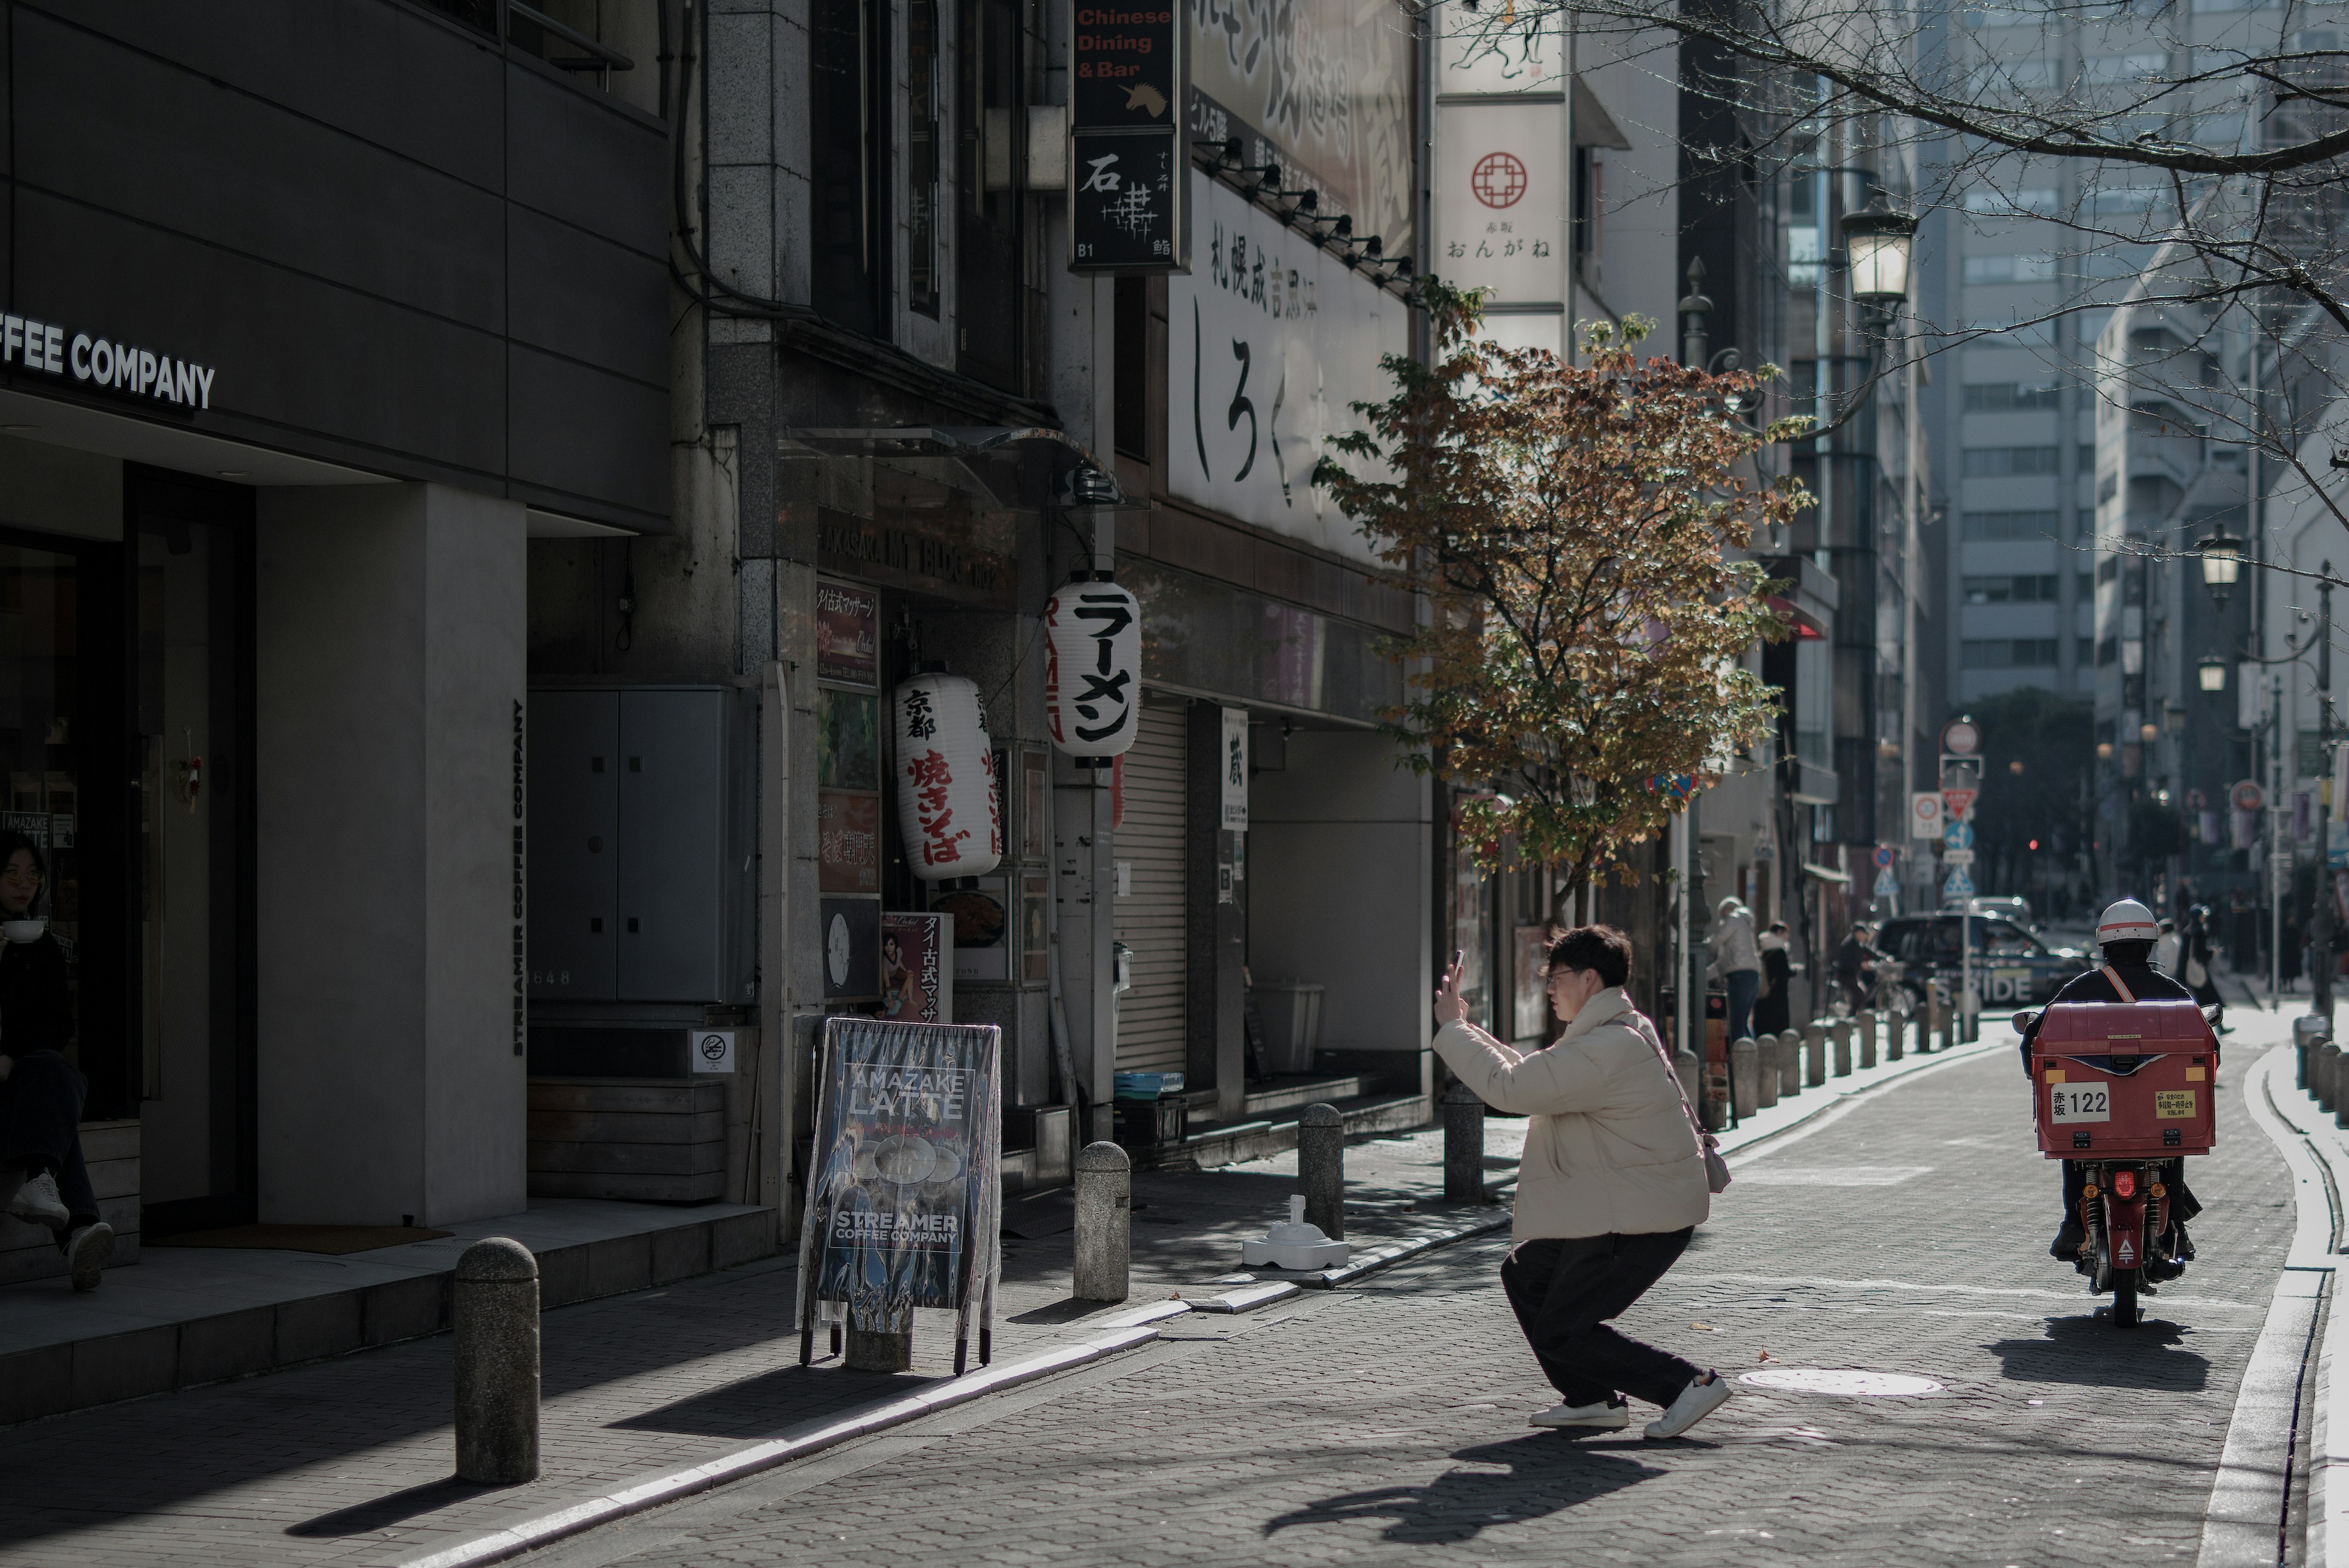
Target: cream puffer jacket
[{"x": 1608, "y": 1148}]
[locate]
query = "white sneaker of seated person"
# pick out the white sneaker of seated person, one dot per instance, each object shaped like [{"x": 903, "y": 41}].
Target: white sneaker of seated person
[
  {"x": 1607, "y": 1416},
  {"x": 37, "y": 1201},
  {"x": 1698, "y": 1400},
  {"x": 87, "y": 1251}
]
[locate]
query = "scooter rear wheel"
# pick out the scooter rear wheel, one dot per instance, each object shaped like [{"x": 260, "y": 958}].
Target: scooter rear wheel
[{"x": 2124, "y": 1313}]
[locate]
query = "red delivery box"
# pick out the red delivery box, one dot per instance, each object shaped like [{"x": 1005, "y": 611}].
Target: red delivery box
[{"x": 2124, "y": 1080}]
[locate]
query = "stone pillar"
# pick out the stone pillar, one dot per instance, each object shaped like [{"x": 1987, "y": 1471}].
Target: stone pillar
[
  {"x": 1744, "y": 1078},
  {"x": 1895, "y": 1026},
  {"x": 494, "y": 1313},
  {"x": 1790, "y": 1066},
  {"x": 1767, "y": 1074},
  {"x": 1867, "y": 1024},
  {"x": 1321, "y": 1168},
  {"x": 1463, "y": 1145},
  {"x": 1839, "y": 1035},
  {"x": 1104, "y": 1204}
]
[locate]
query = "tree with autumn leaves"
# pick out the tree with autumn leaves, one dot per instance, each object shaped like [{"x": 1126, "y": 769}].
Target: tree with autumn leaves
[{"x": 1570, "y": 527}]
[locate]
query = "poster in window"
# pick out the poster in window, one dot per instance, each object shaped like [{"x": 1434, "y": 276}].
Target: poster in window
[
  {"x": 847, "y": 635},
  {"x": 1035, "y": 786},
  {"x": 1531, "y": 958},
  {"x": 917, "y": 969},
  {"x": 982, "y": 928},
  {"x": 852, "y": 948},
  {"x": 1035, "y": 928},
  {"x": 848, "y": 741},
  {"x": 847, "y": 841}
]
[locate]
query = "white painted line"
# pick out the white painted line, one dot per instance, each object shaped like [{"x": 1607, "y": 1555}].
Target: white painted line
[{"x": 655, "y": 1491}]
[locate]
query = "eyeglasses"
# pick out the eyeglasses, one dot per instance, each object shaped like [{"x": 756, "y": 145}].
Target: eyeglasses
[{"x": 21, "y": 874}]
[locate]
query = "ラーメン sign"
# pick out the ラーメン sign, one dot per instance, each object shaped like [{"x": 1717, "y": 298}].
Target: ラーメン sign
[{"x": 100, "y": 363}]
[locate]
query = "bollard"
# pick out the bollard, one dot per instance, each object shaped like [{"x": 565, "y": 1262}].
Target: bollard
[
  {"x": 2325, "y": 1076},
  {"x": 1321, "y": 1168},
  {"x": 1815, "y": 1054},
  {"x": 1867, "y": 1024},
  {"x": 2307, "y": 1033},
  {"x": 1839, "y": 1035},
  {"x": 1814, "y": 1045},
  {"x": 1744, "y": 1078},
  {"x": 1896, "y": 1025},
  {"x": 1790, "y": 1041},
  {"x": 1689, "y": 1075},
  {"x": 1939, "y": 1017},
  {"x": 1712, "y": 1108},
  {"x": 1790, "y": 1063},
  {"x": 1767, "y": 1073},
  {"x": 495, "y": 1315},
  {"x": 1463, "y": 1145},
  {"x": 1105, "y": 1177}
]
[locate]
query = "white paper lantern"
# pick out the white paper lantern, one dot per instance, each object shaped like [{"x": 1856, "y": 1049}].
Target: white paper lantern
[
  {"x": 1093, "y": 669},
  {"x": 947, "y": 805}
]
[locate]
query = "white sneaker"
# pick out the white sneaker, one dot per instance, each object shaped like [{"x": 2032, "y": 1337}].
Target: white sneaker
[
  {"x": 1698, "y": 1400},
  {"x": 1605, "y": 1416},
  {"x": 37, "y": 1201},
  {"x": 87, "y": 1253}
]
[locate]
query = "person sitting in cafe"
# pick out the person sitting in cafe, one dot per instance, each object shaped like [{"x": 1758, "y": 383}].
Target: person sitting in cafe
[{"x": 43, "y": 1178}]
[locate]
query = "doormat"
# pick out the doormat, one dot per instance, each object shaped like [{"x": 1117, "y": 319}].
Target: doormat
[{"x": 332, "y": 1240}]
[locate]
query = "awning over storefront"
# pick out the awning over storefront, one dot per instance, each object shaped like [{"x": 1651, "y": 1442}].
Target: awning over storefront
[{"x": 1023, "y": 468}]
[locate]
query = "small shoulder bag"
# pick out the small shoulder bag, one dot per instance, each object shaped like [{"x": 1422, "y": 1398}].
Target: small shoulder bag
[{"x": 1716, "y": 1170}]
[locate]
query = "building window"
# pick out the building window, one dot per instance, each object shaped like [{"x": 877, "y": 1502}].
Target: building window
[
  {"x": 2003, "y": 461},
  {"x": 922, "y": 156},
  {"x": 1988, "y": 527},
  {"x": 990, "y": 131},
  {"x": 2029, "y": 589},
  {"x": 2037, "y": 268},
  {"x": 1814, "y": 702},
  {"x": 2083, "y": 651},
  {"x": 2008, "y": 652},
  {"x": 848, "y": 53},
  {"x": 2009, "y": 397}
]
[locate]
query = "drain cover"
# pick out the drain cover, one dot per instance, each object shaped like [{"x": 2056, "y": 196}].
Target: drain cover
[{"x": 1820, "y": 1380}]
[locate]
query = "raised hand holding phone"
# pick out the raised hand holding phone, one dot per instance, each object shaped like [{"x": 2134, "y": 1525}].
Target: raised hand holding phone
[{"x": 1449, "y": 1007}]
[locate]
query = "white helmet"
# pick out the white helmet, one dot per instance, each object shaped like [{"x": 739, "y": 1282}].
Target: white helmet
[{"x": 2125, "y": 922}]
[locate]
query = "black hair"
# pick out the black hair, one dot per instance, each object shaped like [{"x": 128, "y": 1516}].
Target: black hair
[
  {"x": 12, "y": 841},
  {"x": 1600, "y": 948},
  {"x": 2115, "y": 952}
]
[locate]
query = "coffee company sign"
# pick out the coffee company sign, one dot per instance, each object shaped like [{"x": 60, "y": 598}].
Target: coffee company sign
[{"x": 31, "y": 346}]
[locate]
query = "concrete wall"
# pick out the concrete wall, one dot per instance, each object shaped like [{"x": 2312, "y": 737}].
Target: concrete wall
[
  {"x": 390, "y": 642},
  {"x": 1340, "y": 850}
]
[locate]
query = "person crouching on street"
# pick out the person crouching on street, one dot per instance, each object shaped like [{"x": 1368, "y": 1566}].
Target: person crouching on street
[{"x": 1611, "y": 1186}]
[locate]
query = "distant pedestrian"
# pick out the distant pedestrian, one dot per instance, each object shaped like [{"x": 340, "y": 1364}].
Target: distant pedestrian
[
  {"x": 1774, "y": 1009},
  {"x": 2199, "y": 962},
  {"x": 1737, "y": 959},
  {"x": 1611, "y": 1186},
  {"x": 2165, "y": 948}
]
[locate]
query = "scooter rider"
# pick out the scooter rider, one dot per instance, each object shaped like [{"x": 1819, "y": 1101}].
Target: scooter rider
[{"x": 2127, "y": 932}]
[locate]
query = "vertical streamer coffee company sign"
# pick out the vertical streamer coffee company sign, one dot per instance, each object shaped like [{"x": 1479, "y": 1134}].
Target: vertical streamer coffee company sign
[
  {"x": 1126, "y": 191},
  {"x": 93, "y": 362}
]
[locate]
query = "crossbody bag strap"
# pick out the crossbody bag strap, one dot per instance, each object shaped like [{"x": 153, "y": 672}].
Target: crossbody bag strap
[
  {"x": 1646, "y": 1031},
  {"x": 2118, "y": 984}
]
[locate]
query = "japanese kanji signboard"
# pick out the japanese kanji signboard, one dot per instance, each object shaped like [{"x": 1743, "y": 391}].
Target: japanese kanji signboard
[{"x": 1127, "y": 84}]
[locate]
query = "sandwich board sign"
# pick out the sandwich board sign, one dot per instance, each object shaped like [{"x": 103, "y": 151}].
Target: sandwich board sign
[{"x": 906, "y": 1191}]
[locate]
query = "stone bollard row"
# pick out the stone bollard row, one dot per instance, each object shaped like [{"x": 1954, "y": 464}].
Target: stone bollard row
[
  {"x": 1839, "y": 1035},
  {"x": 1895, "y": 1026},
  {"x": 2324, "y": 1075},
  {"x": 1790, "y": 1067},
  {"x": 1691, "y": 1074},
  {"x": 1790, "y": 1041},
  {"x": 1869, "y": 1022},
  {"x": 1321, "y": 1168},
  {"x": 1104, "y": 1232},
  {"x": 1767, "y": 1074},
  {"x": 494, "y": 1315},
  {"x": 1744, "y": 1078},
  {"x": 1815, "y": 1048},
  {"x": 1463, "y": 1145}
]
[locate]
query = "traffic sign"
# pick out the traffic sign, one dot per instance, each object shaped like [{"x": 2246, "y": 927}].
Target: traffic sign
[
  {"x": 2247, "y": 796},
  {"x": 1886, "y": 885},
  {"x": 1884, "y": 857},
  {"x": 1957, "y": 803},
  {"x": 1958, "y": 886},
  {"x": 1925, "y": 814},
  {"x": 1961, "y": 737},
  {"x": 1958, "y": 834},
  {"x": 1957, "y": 858}
]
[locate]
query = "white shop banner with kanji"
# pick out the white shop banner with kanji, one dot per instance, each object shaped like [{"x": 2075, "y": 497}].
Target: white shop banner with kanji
[
  {"x": 1269, "y": 339},
  {"x": 1500, "y": 202}
]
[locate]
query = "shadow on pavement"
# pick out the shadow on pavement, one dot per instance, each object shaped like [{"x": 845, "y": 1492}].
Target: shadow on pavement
[
  {"x": 1547, "y": 1474},
  {"x": 766, "y": 1403},
  {"x": 393, "y": 1508},
  {"x": 2091, "y": 1351}
]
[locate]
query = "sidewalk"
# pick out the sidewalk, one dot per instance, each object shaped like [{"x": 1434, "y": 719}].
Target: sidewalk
[{"x": 347, "y": 1461}]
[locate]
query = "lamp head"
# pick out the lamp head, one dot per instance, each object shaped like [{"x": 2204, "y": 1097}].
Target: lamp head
[{"x": 1880, "y": 243}]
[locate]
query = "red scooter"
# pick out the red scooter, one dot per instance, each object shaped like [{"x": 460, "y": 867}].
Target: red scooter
[{"x": 2120, "y": 1090}]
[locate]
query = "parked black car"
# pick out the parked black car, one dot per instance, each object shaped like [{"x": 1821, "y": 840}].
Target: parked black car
[{"x": 2012, "y": 967}]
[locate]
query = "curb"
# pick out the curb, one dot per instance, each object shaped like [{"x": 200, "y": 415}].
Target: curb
[{"x": 1132, "y": 1331}]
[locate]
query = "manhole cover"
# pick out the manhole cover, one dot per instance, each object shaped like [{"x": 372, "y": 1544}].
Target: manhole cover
[{"x": 1820, "y": 1380}]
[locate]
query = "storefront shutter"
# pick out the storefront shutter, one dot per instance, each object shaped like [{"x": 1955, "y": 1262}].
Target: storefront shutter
[{"x": 1151, "y": 919}]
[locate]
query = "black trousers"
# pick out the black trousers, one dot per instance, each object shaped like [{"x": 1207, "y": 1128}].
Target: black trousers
[
  {"x": 1564, "y": 1291},
  {"x": 40, "y": 1127}
]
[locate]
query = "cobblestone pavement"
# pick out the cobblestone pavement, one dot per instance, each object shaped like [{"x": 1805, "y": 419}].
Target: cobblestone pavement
[
  {"x": 1386, "y": 1423},
  {"x": 349, "y": 1461}
]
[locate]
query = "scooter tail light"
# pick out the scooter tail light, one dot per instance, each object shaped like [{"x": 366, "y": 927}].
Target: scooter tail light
[{"x": 2124, "y": 1184}]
